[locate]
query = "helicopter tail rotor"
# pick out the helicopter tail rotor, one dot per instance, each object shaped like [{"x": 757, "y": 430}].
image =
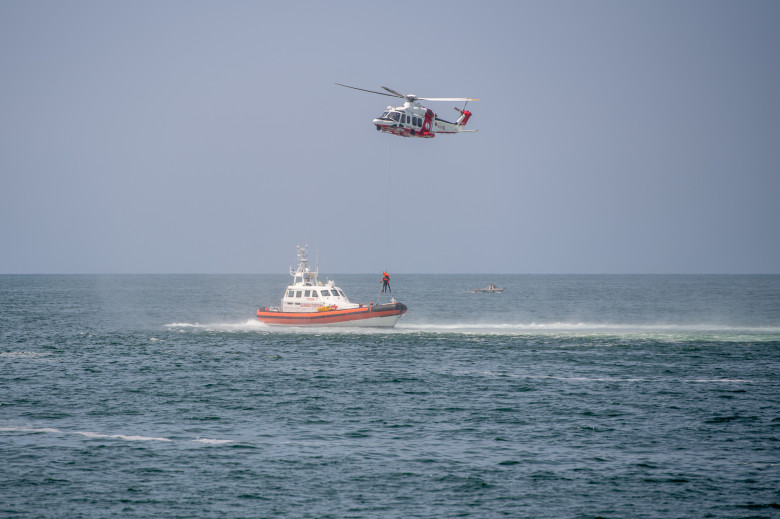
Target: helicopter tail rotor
[
  {"x": 465, "y": 115},
  {"x": 461, "y": 110}
]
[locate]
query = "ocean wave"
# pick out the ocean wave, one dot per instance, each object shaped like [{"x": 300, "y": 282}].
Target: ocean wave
[
  {"x": 621, "y": 380},
  {"x": 25, "y": 355},
  {"x": 96, "y": 435},
  {"x": 211, "y": 441}
]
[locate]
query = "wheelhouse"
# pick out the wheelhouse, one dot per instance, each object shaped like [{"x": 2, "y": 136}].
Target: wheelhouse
[{"x": 299, "y": 298}]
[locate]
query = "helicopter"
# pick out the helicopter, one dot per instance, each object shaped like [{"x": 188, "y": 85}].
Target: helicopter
[{"x": 414, "y": 120}]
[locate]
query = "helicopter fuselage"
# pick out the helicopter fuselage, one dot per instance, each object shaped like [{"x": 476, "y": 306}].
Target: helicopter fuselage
[{"x": 415, "y": 120}]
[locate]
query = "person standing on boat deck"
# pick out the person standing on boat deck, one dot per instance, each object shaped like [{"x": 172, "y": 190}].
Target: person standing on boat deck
[{"x": 385, "y": 282}]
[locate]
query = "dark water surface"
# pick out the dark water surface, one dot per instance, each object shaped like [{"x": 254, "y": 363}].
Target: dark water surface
[{"x": 565, "y": 396}]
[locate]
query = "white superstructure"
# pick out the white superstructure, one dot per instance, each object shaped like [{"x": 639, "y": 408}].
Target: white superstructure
[{"x": 308, "y": 294}]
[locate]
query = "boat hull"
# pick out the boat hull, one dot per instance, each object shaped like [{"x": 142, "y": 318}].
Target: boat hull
[{"x": 381, "y": 316}]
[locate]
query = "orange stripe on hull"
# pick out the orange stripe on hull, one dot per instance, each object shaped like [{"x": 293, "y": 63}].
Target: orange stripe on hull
[{"x": 330, "y": 317}]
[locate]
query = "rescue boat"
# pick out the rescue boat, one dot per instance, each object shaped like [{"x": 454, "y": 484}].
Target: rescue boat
[{"x": 310, "y": 302}]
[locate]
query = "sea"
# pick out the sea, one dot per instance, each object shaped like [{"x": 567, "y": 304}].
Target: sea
[{"x": 565, "y": 396}]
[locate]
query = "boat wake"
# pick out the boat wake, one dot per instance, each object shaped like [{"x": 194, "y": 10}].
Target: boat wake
[
  {"x": 253, "y": 325},
  {"x": 676, "y": 331},
  {"x": 241, "y": 326},
  {"x": 555, "y": 329}
]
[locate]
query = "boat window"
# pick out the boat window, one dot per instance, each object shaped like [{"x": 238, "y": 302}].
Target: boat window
[
  {"x": 314, "y": 293},
  {"x": 290, "y": 293},
  {"x": 307, "y": 293},
  {"x": 298, "y": 293},
  {"x": 342, "y": 293},
  {"x": 326, "y": 293}
]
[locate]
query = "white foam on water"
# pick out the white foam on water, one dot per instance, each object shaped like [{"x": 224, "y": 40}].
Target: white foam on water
[
  {"x": 211, "y": 441},
  {"x": 241, "y": 326},
  {"x": 619, "y": 379},
  {"x": 131, "y": 438},
  {"x": 720, "y": 332},
  {"x": 25, "y": 355},
  {"x": 615, "y": 379},
  {"x": 30, "y": 429},
  {"x": 95, "y": 435},
  {"x": 575, "y": 329},
  {"x": 255, "y": 325}
]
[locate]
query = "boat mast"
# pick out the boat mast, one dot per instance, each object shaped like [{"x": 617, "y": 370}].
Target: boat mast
[{"x": 303, "y": 274}]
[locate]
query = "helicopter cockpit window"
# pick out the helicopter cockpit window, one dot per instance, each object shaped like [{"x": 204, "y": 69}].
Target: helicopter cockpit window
[
  {"x": 385, "y": 115},
  {"x": 395, "y": 116}
]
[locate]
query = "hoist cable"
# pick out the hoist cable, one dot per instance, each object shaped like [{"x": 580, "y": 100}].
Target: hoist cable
[{"x": 387, "y": 196}]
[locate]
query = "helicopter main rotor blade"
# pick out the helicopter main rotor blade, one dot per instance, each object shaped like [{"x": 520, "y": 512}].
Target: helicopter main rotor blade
[
  {"x": 393, "y": 93},
  {"x": 447, "y": 99},
  {"x": 364, "y": 90},
  {"x": 396, "y": 93}
]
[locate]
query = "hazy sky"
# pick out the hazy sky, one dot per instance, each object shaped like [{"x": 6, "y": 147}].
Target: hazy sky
[{"x": 209, "y": 137}]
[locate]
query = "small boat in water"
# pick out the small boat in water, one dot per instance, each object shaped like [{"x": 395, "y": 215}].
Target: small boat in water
[
  {"x": 309, "y": 302},
  {"x": 490, "y": 288}
]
